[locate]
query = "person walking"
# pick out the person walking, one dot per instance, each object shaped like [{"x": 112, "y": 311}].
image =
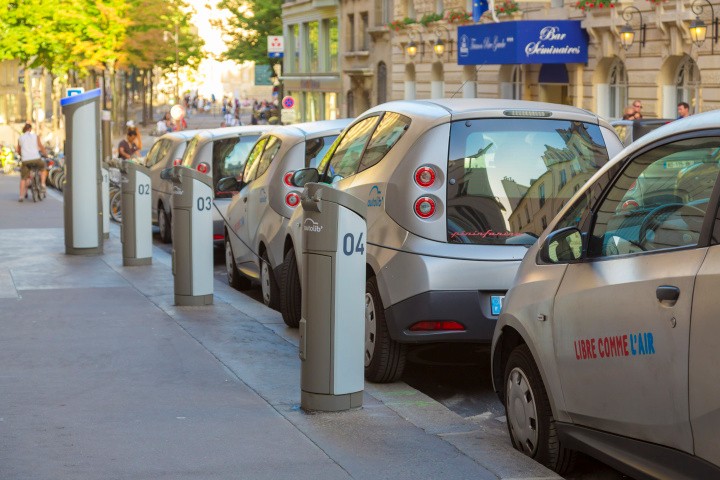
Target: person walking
[
  {"x": 29, "y": 148},
  {"x": 683, "y": 110}
]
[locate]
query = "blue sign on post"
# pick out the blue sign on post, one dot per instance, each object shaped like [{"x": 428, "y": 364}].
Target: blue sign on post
[
  {"x": 531, "y": 41},
  {"x": 275, "y": 54}
]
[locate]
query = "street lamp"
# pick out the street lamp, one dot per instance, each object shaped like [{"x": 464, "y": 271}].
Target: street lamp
[
  {"x": 440, "y": 47},
  {"x": 627, "y": 34},
  {"x": 698, "y": 29},
  {"x": 412, "y": 47}
]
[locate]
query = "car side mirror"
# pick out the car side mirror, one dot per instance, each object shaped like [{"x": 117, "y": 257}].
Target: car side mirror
[
  {"x": 166, "y": 173},
  {"x": 228, "y": 185},
  {"x": 562, "y": 246},
  {"x": 304, "y": 176}
]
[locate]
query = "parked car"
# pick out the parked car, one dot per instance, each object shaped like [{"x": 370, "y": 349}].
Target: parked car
[
  {"x": 631, "y": 130},
  {"x": 457, "y": 191},
  {"x": 164, "y": 153},
  {"x": 257, "y": 217},
  {"x": 607, "y": 341},
  {"x": 221, "y": 153}
]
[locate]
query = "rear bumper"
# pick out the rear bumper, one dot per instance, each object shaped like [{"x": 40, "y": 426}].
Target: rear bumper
[{"x": 471, "y": 308}]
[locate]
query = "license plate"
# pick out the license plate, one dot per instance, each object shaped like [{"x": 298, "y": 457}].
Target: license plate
[
  {"x": 678, "y": 164},
  {"x": 496, "y": 302}
]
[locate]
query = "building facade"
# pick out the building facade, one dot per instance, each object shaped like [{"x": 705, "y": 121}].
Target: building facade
[{"x": 311, "y": 63}]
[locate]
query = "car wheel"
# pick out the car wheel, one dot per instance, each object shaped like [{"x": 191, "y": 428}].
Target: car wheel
[
  {"x": 529, "y": 417},
  {"x": 165, "y": 225},
  {"x": 270, "y": 290},
  {"x": 291, "y": 298},
  {"x": 384, "y": 357},
  {"x": 235, "y": 279}
]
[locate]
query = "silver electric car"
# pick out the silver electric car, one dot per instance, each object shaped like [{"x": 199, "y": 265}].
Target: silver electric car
[
  {"x": 222, "y": 153},
  {"x": 606, "y": 342},
  {"x": 164, "y": 153},
  {"x": 257, "y": 218},
  {"x": 457, "y": 191}
]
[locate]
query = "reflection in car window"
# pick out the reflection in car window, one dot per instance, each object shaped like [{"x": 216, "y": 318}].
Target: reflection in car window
[
  {"x": 316, "y": 148},
  {"x": 229, "y": 157},
  {"x": 659, "y": 200},
  {"x": 252, "y": 161},
  {"x": 152, "y": 156},
  {"x": 345, "y": 159},
  {"x": 271, "y": 149},
  {"x": 506, "y": 176},
  {"x": 389, "y": 130},
  {"x": 189, "y": 154}
]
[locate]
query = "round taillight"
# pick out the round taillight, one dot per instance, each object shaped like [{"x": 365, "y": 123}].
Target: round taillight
[
  {"x": 424, "y": 207},
  {"x": 177, "y": 162},
  {"x": 287, "y": 179},
  {"x": 292, "y": 199},
  {"x": 203, "y": 167},
  {"x": 425, "y": 176}
]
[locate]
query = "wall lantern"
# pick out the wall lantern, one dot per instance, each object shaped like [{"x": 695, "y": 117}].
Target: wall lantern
[
  {"x": 627, "y": 33},
  {"x": 440, "y": 46},
  {"x": 412, "y": 47},
  {"x": 698, "y": 29}
]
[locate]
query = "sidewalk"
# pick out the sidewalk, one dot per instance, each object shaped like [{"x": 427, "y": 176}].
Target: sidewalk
[{"x": 103, "y": 378}]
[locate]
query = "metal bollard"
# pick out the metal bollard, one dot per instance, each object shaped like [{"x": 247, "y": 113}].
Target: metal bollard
[
  {"x": 136, "y": 232},
  {"x": 192, "y": 233},
  {"x": 332, "y": 327}
]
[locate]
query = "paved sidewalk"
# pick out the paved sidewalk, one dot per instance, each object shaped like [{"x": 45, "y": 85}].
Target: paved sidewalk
[{"x": 103, "y": 378}]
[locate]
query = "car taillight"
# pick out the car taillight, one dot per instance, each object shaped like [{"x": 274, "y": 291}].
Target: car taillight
[
  {"x": 177, "y": 162},
  {"x": 287, "y": 179},
  {"x": 429, "y": 326},
  {"x": 424, "y": 207},
  {"x": 425, "y": 176},
  {"x": 203, "y": 167},
  {"x": 292, "y": 199}
]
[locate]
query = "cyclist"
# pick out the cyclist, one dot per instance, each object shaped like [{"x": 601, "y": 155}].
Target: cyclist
[{"x": 30, "y": 150}]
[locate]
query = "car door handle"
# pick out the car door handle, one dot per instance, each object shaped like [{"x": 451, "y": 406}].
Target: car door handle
[{"x": 667, "y": 293}]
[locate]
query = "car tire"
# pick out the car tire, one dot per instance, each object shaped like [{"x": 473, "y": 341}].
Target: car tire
[
  {"x": 268, "y": 284},
  {"x": 234, "y": 277},
  {"x": 529, "y": 417},
  {"x": 384, "y": 357},
  {"x": 291, "y": 298},
  {"x": 164, "y": 222}
]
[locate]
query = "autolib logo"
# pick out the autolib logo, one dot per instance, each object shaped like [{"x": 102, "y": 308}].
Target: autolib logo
[
  {"x": 312, "y": 226},
  {"x": 376, "y": 198}
]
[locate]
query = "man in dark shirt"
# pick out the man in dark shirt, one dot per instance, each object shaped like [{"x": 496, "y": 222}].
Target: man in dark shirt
[{"x": 127, "y": 148}]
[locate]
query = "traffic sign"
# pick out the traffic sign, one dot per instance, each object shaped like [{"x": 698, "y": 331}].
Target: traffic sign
[
  {"x": 275, "y": 44},
  {"x": 288, "y": 102},
  {"x": 275, "y": 54}
]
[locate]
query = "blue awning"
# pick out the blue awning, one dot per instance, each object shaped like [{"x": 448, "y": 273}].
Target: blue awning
[{"x": 524, "y": 42}]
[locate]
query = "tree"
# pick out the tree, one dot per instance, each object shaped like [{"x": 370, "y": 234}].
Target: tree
[{"x": 249, "y": 24}]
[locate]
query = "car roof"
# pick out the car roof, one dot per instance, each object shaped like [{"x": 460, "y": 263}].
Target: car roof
[
  {"x": 312, "y": 129},
  {"x": 228, "y": 132},
  {"x": 181, "y": 135},
  {"x": 461, "y": 108}
]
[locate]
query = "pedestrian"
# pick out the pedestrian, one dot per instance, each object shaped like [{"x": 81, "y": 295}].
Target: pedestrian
[
  {"x": 229, "y": 119},
  {"x": 164, "y": 125},
  {"x": 629, "y": 113},
  {"x": 637, "y": 106},
  {"x": 683, "y": 110},
  {"x": 29, "y": 148},
  {"x": 127, "y": 148},
  {"x": 138, "y": 137}
]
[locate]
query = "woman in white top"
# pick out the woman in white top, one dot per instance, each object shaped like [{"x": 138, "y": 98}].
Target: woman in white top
[{"x": 29, "y": 148}]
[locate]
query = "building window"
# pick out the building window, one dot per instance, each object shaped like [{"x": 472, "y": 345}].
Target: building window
[
  {"x": 293, "y": 49},
  {"x": 563, "y": 178},
  {"x": 517, "y": 80},
  {"x": 618, "y": 97},
  {"x": 410, "y": 8},
  {"x": 382, "y": 12},
  {"x": 439, "y": 6},
  {"x": 364, "y": 27},
  {"x": 687, "y": 84},
  {"x": 350, "y": 101},
  {"x": 381, "y": 83},
  {"x": 330, "y": 106},
  {"x": 541, "y": 194},
  {"x": 331, "y": 27},
  {"x": 313, "y": 46}
]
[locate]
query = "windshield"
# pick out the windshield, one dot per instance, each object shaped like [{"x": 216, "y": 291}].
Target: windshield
[{"x": 507, "y": 178}]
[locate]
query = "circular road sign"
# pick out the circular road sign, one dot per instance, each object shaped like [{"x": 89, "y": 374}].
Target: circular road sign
[{"x": 288, "y": 102}]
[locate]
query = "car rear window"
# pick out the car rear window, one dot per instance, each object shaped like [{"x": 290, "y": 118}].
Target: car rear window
[
  {"x": 229, "y": 156},
  {"x": 507, "y": 178},
  {"x": 316, "y": 148}
]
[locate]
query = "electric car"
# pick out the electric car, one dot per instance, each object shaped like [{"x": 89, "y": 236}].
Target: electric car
[
  {"x": 222, "y": 153},
  {"x": 457, "y": 190},
  {"x": 257, "y": 217},
  {"x": 606, "y": 342}
]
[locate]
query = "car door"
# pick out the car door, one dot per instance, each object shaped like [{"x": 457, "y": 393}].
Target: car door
[
  {"x": 622, "y": 315},
  {"x": 704, "y": 372},
  {"x": 257, "y": 191},
  {"x": 239, "y": 218}
]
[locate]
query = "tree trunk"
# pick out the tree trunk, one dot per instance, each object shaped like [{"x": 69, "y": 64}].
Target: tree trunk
[
  {"x": 28, "y": 94},
  {"x": 143, "y": 94},
  {"x": 125, "y": 90},
  {"x": 150, "y": 95}
]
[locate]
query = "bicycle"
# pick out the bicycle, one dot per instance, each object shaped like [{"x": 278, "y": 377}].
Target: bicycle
[{"x": 38, "y": 193}]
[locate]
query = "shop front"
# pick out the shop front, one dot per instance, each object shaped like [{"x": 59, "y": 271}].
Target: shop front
[{"x": 316, "y": 97}]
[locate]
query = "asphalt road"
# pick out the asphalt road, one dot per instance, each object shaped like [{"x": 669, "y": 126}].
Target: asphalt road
[{"x": 456, "y": 376}]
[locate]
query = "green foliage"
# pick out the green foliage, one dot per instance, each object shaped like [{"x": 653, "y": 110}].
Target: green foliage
[
  {"x": 248, "y": 26},
  {"x": 430, "y": 18},
  {"x": 398, "y": 25}
]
